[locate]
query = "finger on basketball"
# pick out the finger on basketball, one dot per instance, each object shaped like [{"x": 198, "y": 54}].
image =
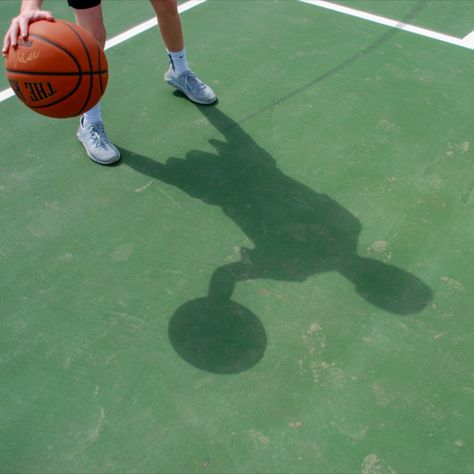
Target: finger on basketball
[
  {"x": 23, "y": 27},
  {"x": 14, "y": 30},
  {"x": 6, "y": 44},
  {"x": 47, "y": 16}
]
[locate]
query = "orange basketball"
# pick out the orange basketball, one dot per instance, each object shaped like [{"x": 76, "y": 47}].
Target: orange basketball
[{"x": 59, "y": 70}]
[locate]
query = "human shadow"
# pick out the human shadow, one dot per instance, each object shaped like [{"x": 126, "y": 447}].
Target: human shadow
[{"x": 297, "y": 233}]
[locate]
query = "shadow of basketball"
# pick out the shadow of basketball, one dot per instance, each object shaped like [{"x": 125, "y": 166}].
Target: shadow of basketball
[{"x": 222, "y": 337}]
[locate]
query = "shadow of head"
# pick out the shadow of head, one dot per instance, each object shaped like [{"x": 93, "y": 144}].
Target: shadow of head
[{"x": 387, "y": 287}]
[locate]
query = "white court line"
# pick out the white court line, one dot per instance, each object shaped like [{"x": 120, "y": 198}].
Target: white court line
[
  {"x": 7, "y": 93},
  {"x": 136, "y": 30},
  {"x": 469, "y": 39},
  {"x": 126, "y": 35},
  {"x": 467, "y": 42}
]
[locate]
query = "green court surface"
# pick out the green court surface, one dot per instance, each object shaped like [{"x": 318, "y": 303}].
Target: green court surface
[{"x": 280, "y": 283}]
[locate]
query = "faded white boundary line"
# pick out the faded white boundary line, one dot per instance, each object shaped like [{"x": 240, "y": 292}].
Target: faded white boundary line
[
  {"x": 126, "y": 35},
  {"x": 7, "y": 93},
  {"x": 136, "y": 30},
  {"x": 467, "y": 42}
]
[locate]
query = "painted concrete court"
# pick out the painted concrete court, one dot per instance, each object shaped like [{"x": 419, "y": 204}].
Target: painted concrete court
[{"x": 279, "y": 283}]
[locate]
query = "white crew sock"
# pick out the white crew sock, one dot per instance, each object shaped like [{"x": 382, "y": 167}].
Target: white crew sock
[
  {"x": 92, "y": 115},
  {"x": 178, "y": 61}
]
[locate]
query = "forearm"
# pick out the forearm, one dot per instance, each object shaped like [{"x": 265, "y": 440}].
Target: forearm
[{"x": 28, "y": 5}]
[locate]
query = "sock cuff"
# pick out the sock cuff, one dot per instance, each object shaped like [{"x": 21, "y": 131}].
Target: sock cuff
[
  {"x": 92, "y": 115},
  {"x": 178, "y": 61},
  {"x": 177, "y": 54}
]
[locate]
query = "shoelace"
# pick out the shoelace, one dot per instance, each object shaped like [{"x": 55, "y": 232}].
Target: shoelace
[
  {"x": 98, "y": 136},
  {"x": 195, "y": 83}
]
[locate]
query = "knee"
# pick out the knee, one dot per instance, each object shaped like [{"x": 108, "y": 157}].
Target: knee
[
  {"x": 91, "y": 19},
  {"x": 98, "y": 31},
  {"x": 100, "y": 35}
]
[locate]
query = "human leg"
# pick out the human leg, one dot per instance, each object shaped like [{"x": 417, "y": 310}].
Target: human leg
[
  {"x": 88, "y": 14},
  {"x": 91, "y": 132},
  {"x": 179, "y": 75},
  {"x": 169, "y": 24}
]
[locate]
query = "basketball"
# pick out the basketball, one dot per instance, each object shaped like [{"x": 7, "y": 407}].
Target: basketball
[{"x": 59, "y": 70}]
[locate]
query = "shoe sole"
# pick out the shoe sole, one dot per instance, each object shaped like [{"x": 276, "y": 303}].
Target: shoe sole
[
  {"x": 190, "y": 97},
  {"x": 96, "y": 160}
]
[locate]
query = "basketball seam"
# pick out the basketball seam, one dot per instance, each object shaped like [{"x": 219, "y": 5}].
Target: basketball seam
[
  {"x": 90, "y": 66},
  {"x": 73, "y": 91},
  {"x": 100, "y": 75},
  {"x": 43, "y": 73},
  {"x": 64, "y": 50}
]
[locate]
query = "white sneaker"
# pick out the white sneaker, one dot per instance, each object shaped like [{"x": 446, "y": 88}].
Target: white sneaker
[
  {"x": 190, "y": 85},
  {"x": 97, "y": 144}
]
